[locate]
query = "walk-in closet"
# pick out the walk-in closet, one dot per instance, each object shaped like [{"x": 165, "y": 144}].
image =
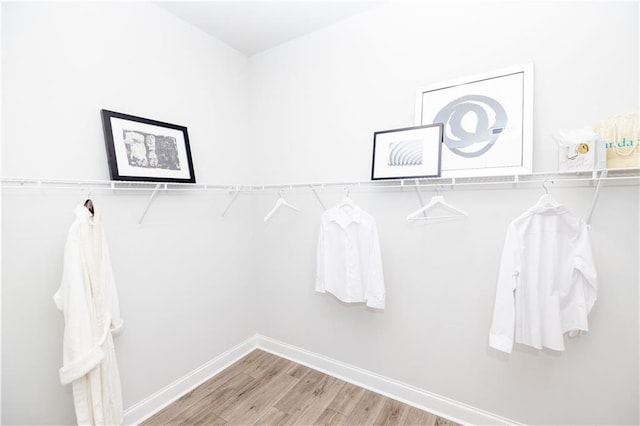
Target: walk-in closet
[{"x": 310, "y": 212}]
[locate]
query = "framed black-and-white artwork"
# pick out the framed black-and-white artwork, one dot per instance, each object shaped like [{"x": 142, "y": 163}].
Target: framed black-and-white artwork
[
  {"x": 411, "y": 152},
  {"x": 487, "y": 122},
  {"x": 141, "y": 149}
]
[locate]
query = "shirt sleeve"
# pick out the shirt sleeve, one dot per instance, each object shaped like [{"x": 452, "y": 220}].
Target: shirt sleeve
[
  {"x": 587, "y": 276},
  {"x": 375, "y": 293},
  {"x": 501, "y": 335},
  {"x": 320, "y": 274}
]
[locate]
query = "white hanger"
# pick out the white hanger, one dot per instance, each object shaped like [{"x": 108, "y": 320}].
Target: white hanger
[
  {"x": 437, "y": 200},
  {"x": 347, "y": 201},
  {"x": 279, "y": 203},
  {"x": 546, "y": 200}
]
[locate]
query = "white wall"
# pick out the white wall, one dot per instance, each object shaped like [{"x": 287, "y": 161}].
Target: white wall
[
  {"x": 64, "y": 62},
  {"x": 321, "y": 97},
  {"x": 182, "y": 275},
  {"x": 316, "y": 102}
]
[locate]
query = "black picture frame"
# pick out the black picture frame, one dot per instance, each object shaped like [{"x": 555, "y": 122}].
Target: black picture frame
[
  {"x": 142, "y": 149},
  {"x": 407, "y": 153}
]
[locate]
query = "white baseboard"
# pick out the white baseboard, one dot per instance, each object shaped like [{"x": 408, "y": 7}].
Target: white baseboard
[
  {"x": 165, "y": 396},
  {"x": 419, "y": 398},
  {"x": 411, "y": 395}
]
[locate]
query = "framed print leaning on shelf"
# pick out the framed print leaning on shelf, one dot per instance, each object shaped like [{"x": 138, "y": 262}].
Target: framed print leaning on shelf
[
  {"x": 412, "y": 152},
  {"x": 141, "y": 149},
  {"x": 487, "y": 122}
]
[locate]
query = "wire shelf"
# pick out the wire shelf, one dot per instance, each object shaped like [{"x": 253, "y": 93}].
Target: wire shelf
[{"x": 625, "y": 176}]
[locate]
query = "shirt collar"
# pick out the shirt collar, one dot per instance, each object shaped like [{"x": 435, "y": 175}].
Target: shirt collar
[
  {"x": 548, "y": 210},
  {"x": 345, "y": 213}
]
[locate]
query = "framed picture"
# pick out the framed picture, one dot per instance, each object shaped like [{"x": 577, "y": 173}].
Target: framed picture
[
  {"x": 412, "y": 152},
  {"x": 140, "y": 149},
  {"x": 487, "y": 122}
]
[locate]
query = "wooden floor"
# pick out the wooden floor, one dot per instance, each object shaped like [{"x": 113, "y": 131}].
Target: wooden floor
[{"x": 264, "y": 389}]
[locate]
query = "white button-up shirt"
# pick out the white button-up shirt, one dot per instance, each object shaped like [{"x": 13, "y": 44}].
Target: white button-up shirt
[
  {"x": 349, "y": 260},
  {"x": 547, "y": 282}
]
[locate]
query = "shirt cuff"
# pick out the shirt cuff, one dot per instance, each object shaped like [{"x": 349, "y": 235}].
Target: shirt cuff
[
  {"x": 377, "y": 303},
  {"x": 501, "y": 343}
]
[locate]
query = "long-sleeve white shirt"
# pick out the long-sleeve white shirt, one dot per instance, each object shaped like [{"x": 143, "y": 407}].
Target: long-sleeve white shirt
[
  {"x": 349, "y": 263},
  {"x": 88, "y": 299},
  {"x": 547, "y": 282}
]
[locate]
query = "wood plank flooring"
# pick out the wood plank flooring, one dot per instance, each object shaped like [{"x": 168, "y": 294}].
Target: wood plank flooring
[{"x": 264, "y": 389}]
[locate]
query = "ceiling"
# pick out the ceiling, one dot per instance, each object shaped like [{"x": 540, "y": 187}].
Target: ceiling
[{"x": 254, "y": 26}]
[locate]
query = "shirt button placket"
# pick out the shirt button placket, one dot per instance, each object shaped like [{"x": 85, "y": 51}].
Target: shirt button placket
[{"x": 349, "y": 264}]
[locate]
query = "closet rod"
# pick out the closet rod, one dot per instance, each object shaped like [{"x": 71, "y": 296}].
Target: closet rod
[
  {"x": 450, "y": 182},
  {"x": 108, "y": 185},
  {"x": 628, "y": 174}
]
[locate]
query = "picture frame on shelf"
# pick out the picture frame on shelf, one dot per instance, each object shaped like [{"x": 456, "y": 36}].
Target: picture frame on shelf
[
  {"x": 407, "y": 153},
  {"x": 488, "y": 121},
  {"x": 142, "y": 149}
]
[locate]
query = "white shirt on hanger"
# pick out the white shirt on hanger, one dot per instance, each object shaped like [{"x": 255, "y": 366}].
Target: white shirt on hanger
[
  {"x": 547, "y": 282},
  {"x": 349, "y": 260}
]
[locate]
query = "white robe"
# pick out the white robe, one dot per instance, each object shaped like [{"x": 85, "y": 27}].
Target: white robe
[{"x": 88, "y": 299}]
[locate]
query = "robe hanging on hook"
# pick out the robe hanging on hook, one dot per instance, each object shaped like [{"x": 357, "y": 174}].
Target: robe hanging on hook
[{"x": 89, "y": 205}]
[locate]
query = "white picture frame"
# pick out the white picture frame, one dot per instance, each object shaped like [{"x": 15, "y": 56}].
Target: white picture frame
[{"x": 487, "y": 119}]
